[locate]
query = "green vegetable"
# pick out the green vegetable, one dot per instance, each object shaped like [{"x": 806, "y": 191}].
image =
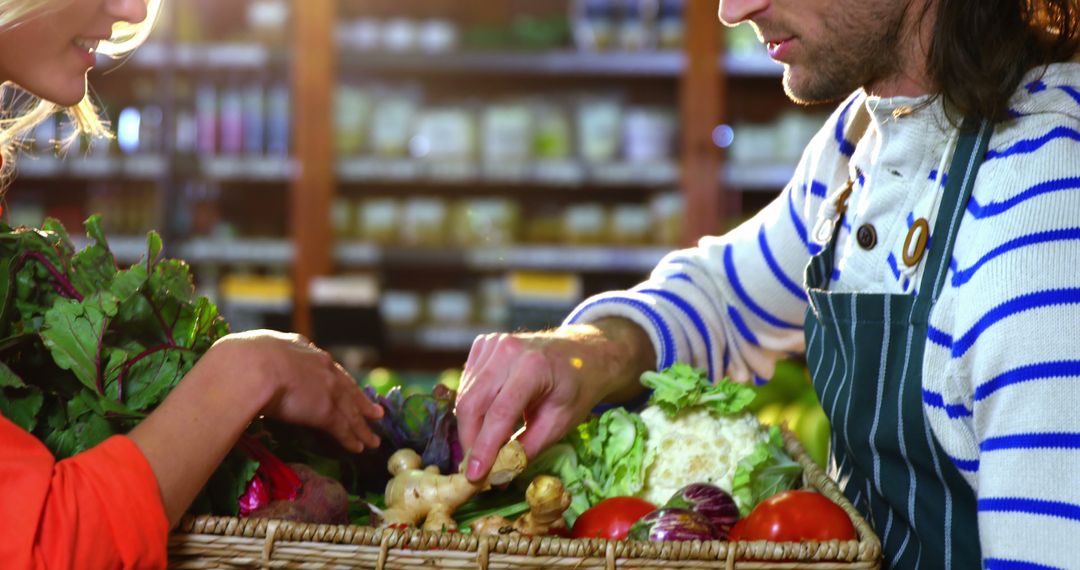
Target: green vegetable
[
  {"x": 683, "y": 386},
  {"x": 561, "y": 460},
  {"x": 609, "y": 455},
  {"x": 90, "y": 348},
  {"x": 605, "y": 457},
  {"x": 424, "y": 423},
  {"x": 765, "y": 472}
]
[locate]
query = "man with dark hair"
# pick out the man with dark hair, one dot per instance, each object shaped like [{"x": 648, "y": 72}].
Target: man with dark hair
[{"x": 924, "y": 257}]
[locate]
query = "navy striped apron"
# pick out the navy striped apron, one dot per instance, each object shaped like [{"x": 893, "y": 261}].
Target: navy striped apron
[{"x": 865, "y": 353}]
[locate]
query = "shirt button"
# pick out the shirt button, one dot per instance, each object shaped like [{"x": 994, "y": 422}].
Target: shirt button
[{"x": 866, "y": 236}]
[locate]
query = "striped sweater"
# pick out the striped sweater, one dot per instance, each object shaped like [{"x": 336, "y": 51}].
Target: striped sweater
[{"x": 1001, "y": 372}]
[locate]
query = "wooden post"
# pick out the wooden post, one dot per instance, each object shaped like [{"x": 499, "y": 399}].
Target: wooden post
[
  {"x": 702, "y": 98},
  {"x": 313, "y": 79}
]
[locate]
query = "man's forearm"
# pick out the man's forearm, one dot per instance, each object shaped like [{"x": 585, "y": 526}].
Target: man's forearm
[{"x": 634, "y": 354}]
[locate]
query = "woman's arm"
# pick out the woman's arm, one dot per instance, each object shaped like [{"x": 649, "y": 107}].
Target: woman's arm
[
  {"x": 112, "y": 506},
  {"x": 241, "y": 377}
]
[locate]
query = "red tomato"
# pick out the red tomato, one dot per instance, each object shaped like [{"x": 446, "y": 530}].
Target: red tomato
[
  {"x": 737, "y": 530},
  {"x": 559, "y": 532},
  {"x": 794, "y": 516},
  {"x": 611, "y": 518}
]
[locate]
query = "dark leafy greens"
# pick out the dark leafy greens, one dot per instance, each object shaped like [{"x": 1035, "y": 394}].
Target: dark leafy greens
[
  {"x": 89, "y": 348},
  {"x": 423, "y": 422}
]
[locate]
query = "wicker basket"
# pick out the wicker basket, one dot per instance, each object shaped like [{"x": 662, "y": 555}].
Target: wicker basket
[{"x": 214, "y": 542}]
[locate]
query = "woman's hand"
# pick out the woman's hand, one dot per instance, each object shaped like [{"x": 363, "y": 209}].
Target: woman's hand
[
  {"x": 308, "y": 387},
  {"x": 551, "y": 380},
  {"x": 242, "y": 376}
]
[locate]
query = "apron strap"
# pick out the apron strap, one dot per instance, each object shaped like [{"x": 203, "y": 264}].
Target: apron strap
[{"x": 969, "y": 155}]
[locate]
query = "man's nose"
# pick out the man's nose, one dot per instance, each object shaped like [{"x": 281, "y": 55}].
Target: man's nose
[{"x": 733, "y": 12}]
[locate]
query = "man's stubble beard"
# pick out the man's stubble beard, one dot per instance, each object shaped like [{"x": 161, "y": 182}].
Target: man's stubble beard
[{"x": 858, "y": 48}]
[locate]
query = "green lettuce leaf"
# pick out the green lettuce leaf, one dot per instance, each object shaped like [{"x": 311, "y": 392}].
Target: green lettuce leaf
[
  {"x": 768, "y": 470},
  {"x": 682, "y": 386},
  {"x": 611, "y": 454},
  {"x": 605, "y": 457}
]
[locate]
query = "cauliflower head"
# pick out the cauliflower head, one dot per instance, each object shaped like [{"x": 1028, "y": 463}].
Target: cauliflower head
[{"x": 695, "y": 446}]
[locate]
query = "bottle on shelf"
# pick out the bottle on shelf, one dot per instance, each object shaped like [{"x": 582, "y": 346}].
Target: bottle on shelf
[
  {"x": 231, "y": 120},
  {"x": 254, "y": 118},
  {"x": 206, "y": 113},
  {"x": 594, "y": 23},
  {"x": 279, "y": 120}
]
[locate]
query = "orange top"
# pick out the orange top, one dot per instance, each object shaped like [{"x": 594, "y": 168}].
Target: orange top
[{"x": 99, "y": 509}]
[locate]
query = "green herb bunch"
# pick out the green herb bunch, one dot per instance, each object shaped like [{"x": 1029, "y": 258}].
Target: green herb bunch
[{"x": 88, "y": 348}]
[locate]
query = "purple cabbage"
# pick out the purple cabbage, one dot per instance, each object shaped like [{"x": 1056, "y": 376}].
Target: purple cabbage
[
  {"x": 424, "y": 423},
  {"x": 710, "y": 501},
  {"x": 673, "y": 524}
]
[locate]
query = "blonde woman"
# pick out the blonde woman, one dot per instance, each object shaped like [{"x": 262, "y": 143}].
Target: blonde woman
[{"x": 113, "y": 506}]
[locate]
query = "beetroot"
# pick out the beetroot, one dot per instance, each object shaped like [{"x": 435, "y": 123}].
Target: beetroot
[
  {"x": 321, "y": 500},
  {"x": 292, "y": 492}
]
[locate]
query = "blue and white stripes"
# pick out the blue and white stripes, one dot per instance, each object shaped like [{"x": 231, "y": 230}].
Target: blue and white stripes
[{"x": 1001, "y": 372}]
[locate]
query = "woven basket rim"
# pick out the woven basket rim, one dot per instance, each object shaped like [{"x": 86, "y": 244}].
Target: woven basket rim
[{"x": 271, "y": 534}]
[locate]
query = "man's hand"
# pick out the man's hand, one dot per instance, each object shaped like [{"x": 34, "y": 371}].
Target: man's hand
[{"x": 551, "y": 380}]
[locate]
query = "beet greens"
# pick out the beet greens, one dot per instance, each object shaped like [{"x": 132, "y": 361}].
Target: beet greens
[{"x": 88, "y": 348}]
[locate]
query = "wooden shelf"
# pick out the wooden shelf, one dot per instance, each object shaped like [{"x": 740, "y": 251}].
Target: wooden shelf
[
  {"x": 203, "y": 57},
  {"x": 764, "y": 177},
  {"x": 153, "y": 167},
  {"x": 516, "y": 257},
  {"x": 553, "y": 174},
  {"x": 244, "y": 251},
  {"x": 661, "y": 64},
  {"x": 757, "y": 65},
  {"x": 280, "y": 252},
  {"x": 248, "y": 169},
  {"x": 238, "y": 251},
  {"x": 139, "y": 167},
  {"x": 126, "y": 249},
  {"x": 440, "y": 338},
  {"x": 632, "y": 64}
]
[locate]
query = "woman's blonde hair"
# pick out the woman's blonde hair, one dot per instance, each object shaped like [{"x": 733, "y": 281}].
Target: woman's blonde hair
[{"x": 27, "y": 110}]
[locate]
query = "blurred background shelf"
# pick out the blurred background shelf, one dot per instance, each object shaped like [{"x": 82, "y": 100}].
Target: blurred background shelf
[
  {"x": 757, "y": 177},
  {"x": 667, "y": 64},
  {"x": 148, "y": 167},
  {"x": 266, "y": 169},
  {"x": 439, "y": 338},
  {"x": 238, "y": 251},
  {"x": 394, "y": 177},
  {"x": 551, "y": 173},
  {"x": 637, "y": 260},
  {"x": 661, "y": 64},
  {"x": 227, "y": 56}
]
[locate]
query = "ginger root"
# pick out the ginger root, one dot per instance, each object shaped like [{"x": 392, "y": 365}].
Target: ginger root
[
  {"x": 492, "y": 525},
  {"x": 547, "y": 499},
  {"x": 416, "y": 494}
]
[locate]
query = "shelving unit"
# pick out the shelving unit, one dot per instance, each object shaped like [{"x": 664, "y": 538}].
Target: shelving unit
[
  {"x": 569, "y": 63},
  {"x": 293, "y": 197}
]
